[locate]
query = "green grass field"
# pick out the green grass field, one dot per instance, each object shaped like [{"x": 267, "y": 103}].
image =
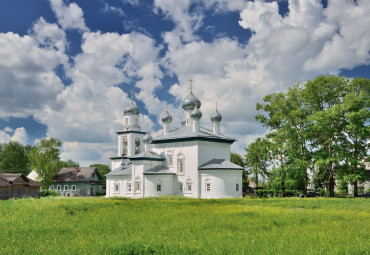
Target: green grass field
[{"x": 185, "y": 226}]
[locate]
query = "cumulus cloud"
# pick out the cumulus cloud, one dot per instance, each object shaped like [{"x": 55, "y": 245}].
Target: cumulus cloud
[
  {"x": 27, "y": 78},
  {"x": 8, "y": 130},
  {"x": 20, "y": 135},
  {"x": 69, "y": 16}
]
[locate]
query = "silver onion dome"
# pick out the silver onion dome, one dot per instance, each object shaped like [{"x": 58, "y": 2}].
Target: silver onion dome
[
  {"x": 190, "y": 101},
  {"x": 132, "y": 108},
  {"x": 196, "y": 114},
  {"x": 147, "y": 138},
  {"x": 166, "y": 117},
  {"x": 216, "y": 116}
]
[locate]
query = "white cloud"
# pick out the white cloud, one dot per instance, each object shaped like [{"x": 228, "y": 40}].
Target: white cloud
[
  {"x": 8, "y": 130},
  {"x": 20, "y": 135},
  {"x": 27, "y": 79},
  {"x": 111, "y": 9},
  {"x": 69, "y": 16}
]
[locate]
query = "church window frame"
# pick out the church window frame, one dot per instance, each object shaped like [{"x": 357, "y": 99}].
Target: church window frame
[
  {"x": 237, "y": 187},
  {"x": 208, "y": 186},
  {"x": 180, "y": 164},
  {"x": 137, "y": 187},
  {"x": 159, "y": 187},
  {"x": 170, "y": 160},
  {"x": 116, "y": 188},
  {"x": 189, "y": 186},
  {"x": 129, "y": 187},
  {"x": 137, "y": 145}
]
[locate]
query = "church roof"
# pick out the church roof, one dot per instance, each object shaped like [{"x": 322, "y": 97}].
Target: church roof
[
  {"x": 159, "y": 170},
  {"x": 216, "y": 164},
  {"x": 123, "y": 169},
  {"x": 186, "y": 133},
  {"x": 142, "y": 156}
]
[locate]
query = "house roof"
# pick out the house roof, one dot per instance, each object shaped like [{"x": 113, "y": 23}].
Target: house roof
[
  {"x": 158, "y": 170},
  {"x": 186, "y": 133},
  {"x": 217, "y": 164},
  {"x": 8, "y": 179},
  {"x": 72, "y": 174}
]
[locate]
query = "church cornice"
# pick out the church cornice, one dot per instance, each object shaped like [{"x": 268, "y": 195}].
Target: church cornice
[
  {"x": 137, "y": 158},
  {"x": 187, "y": 139},
  {"x": 130, "y": 131}
]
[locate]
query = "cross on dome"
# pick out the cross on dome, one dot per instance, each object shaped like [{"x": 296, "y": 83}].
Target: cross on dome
[{"x": 191, "y": 84}]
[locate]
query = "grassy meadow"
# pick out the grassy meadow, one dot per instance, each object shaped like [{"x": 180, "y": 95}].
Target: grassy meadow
[{"x": 176, "y": 225}]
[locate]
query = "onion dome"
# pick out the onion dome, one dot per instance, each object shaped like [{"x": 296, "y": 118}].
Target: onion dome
[
  {"x": 147, "y": 138},
  {"x": 166, "y": 116},
  {"x": 196, "y": 114},
  {"x": 132, "y": 109},
  {"x": 190, "y": 101},
  {"x": 216, "y": 116}
]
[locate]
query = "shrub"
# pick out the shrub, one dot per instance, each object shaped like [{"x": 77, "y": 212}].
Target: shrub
[{"x": 48, "y": 193}]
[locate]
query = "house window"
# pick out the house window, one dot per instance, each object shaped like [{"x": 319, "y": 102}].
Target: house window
[
  {"x": 129, "y": 188},
  {"x": 159, "y": 187},
  {"x": 116, "y": 187},
  {"x": 208, "y": 187},
  {"x": 65, "y": 187},
  {"x": 51, "y": 187},
  {"x": 237, "y": 187},
  {"x": 59, "y": 188},
  {"x": 73, "y": 187}
]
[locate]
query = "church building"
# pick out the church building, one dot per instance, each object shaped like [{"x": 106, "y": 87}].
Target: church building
[{"x": 190, "y": 161}]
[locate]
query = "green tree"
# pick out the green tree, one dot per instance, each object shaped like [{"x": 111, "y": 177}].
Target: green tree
[
  {"x": 13, "y": 158},
  {"x": 45, "y": 159},
  {"x": 103, "y": 170},
  {"x": 257, "y": 159},
  {"x": 237, "y": 159},
  {"x": 68, "y": 163}
]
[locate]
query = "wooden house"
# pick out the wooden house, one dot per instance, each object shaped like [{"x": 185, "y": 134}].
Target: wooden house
[
  {"x": 17, "y": 186},
  {"x": 80, "y": 181}
]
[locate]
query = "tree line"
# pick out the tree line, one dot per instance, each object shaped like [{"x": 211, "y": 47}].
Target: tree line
[
  {"x": 44, "y": 158},
  {"x": 318, "y": 128}
]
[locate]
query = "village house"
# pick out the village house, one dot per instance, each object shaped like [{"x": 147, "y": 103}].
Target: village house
[
  {"x": 80, "y": 181},
  {"x": 14, "y": 185},
  {"x": 190, "y": 161}
]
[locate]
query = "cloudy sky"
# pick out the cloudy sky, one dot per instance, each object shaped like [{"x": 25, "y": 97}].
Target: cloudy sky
[{"x": 67, "y": 66}]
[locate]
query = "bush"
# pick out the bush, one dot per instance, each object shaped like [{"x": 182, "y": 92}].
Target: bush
[
  {"x": 48, "y": 193},
  {"x": 276, "y": 193}
]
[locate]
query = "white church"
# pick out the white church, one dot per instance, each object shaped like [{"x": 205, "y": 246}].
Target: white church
[{"x": 190, "y": 161}]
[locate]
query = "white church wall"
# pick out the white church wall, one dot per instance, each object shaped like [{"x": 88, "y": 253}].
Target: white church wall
[
  {"x": 222, "y": 183},
  {"x": 211, "y": 150},
  {"x": 158, "y": 185},
  {"x": 189, "y": 150},
  {"x": 121, "y": 181}
]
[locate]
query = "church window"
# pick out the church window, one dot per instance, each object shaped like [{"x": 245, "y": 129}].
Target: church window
[
  {"x": 73, "y": 187},
  {"x": 189, "y": 187},
  {"x": 180, "y": 187},
  {"x": 59, "y": 188},
  {"x": 137, "y": 187},
  {"x": 124, "y": 146},
  {"x": 159, "y": 187},
  {"x": 116, "y": 187},
  {"x": 129, "y": 188},
  {"x": 180, "y": 163},
  {"x": 208, "y": 187},
  {"x": 237, "y": 187},
  {"x": 137, "y": 146},
  {"x": 170, "y": 160},
  {"x": 126, "y": 122}
]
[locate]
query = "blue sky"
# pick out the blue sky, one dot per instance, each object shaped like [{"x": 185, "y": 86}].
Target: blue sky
[{"x": 67, "y": 67}]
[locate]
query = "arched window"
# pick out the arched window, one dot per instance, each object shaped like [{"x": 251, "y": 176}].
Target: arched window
[
  {"x": 137, "y": 146},
  {"x": 137, "y": 185},
  {"x": 180, "y": 163},
  {"x": 124, "y": 146}
]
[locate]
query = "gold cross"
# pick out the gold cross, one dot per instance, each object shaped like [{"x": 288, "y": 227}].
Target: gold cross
[
  {"x": 132, "y": 95},
  {"x": 147, "y": 128},
  {"x": 216, "y": 106},
  {"x": 191, "y": 84},
  {"x": 166, "y": 106}
]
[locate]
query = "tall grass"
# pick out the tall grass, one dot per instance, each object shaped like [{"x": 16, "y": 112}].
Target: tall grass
[{"x": 184, "y": 226}]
